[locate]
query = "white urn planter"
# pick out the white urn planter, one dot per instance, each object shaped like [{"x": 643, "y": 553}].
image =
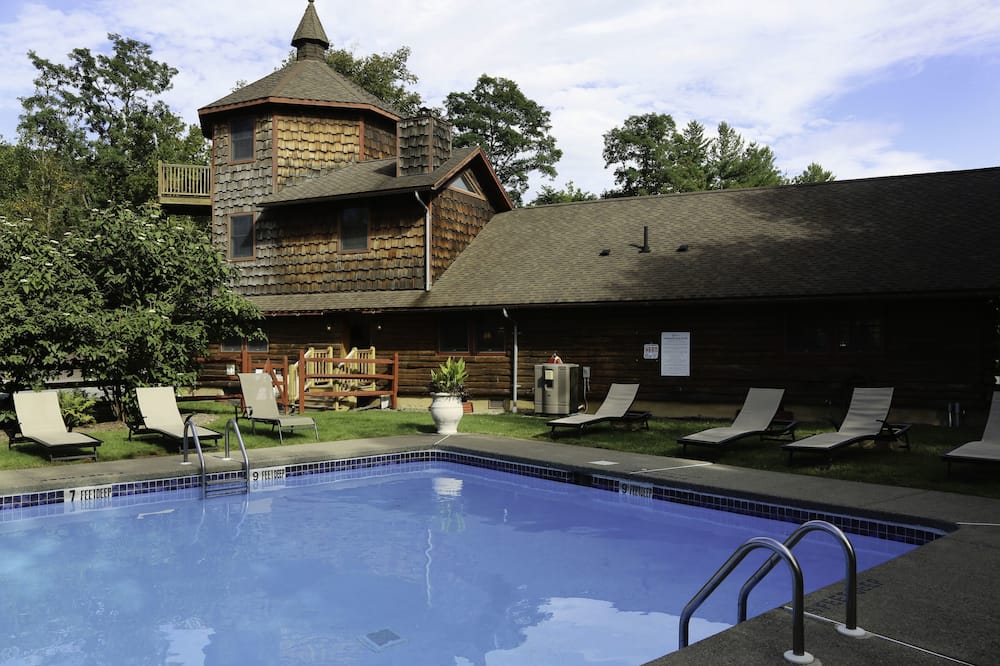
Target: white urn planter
[{"x": 446, "y": 410}]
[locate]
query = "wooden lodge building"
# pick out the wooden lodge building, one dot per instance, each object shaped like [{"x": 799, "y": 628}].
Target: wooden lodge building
[{"x": 351, "y": 225}]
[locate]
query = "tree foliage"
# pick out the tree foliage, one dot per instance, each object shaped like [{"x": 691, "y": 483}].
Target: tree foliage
[
  {"x": 813, "y": 173},
  {"x": 95, "y": 129},
  {"x": 651, "y": 156},
  {"x": 549, "y": 195},
  {"x": 514, "y": 131},
  {"x": 384, "y": 75},
  {"x": 129, "y": 298}
]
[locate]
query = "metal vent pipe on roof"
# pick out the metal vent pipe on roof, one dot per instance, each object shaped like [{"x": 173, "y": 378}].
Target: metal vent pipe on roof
[{"x": 645, "y": 239}]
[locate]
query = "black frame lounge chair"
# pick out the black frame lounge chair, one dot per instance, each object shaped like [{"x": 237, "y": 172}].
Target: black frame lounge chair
[
  {"x": 617, "y": 406},
  {"x": 865, "y": 420},
  {"x": 985, "y": 449},
  {"x": 756, "y": 417},
  {"x": 261, "y": 405},
  {"x": 159, "y": 413},
  {"x": 40, "y": 420}
]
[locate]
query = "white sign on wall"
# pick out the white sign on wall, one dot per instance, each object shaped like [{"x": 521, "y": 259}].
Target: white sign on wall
[
  {"x": 675, "y": 354},
  {"x": 651, "y": 351}
]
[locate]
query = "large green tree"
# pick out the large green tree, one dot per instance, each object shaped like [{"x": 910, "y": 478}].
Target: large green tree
[
  {"x": 514, "y": 131},
  {"x": 385, "y": 75},
  {"x": 100, "y": 118},
  {"x": 129, "y": 298},
  {"x": 651, "y": 156}
]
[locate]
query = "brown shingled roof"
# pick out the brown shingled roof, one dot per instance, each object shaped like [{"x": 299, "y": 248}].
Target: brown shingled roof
[
  {"x": 924, "y": 234},
  {"x": 378, "y": 177},
  {"x": 918, "y": 234}
]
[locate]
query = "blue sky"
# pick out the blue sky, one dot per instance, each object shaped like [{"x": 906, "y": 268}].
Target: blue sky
[{"x": 865, "y": 88}]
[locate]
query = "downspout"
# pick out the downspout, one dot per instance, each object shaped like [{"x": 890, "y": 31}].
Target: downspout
[
  {"x": 513, "y": 397},
  {"x": 427, "y": 242}
]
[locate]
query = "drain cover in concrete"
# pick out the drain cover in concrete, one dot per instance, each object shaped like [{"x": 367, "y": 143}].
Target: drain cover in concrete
[{"x": 381, "y": 639}]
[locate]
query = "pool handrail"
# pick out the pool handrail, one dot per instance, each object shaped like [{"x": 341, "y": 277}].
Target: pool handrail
[
  {"x": 226, "y": 483},
  {"x": 797, "y": 654},
  {"x": 850, "y": 626}
]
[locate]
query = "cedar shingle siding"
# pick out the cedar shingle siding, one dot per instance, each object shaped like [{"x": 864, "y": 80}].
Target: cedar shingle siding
[{"x": 297, "y": 251}]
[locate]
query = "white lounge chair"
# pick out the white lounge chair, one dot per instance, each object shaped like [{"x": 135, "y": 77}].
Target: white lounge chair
[
  {"x": 756, "y": 417},
  {"x": 986, "y": 449},
  {"x": 261, "y": 405},
  {"x": 40, "y": 420},
  {"x": 865, "y": 420},
  {"x": 159, "y": 413},
  {"x": 616, "y": 407}
]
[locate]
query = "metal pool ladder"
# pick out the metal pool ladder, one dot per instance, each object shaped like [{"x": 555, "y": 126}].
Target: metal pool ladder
[
  {"x": 229, "y": 483},
  {"x": 782, "y": 551}
]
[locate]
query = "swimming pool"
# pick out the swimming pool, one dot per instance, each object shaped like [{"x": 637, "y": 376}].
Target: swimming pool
[{"x": 424, "y": 563}]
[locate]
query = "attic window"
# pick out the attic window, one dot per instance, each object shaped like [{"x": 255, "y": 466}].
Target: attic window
[
  {"x": 241, "y": 138},
  {"x": 465, "y": 183}
]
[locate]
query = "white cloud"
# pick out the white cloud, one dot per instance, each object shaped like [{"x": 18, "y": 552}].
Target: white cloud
[{"x": 770, "y": 68}]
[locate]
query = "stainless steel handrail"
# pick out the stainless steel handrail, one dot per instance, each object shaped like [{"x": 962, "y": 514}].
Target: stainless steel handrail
[
  {"x": 798, "y": 652},
  {"x": 850, "y": 626},
  {"x": 230, "y": 425}
]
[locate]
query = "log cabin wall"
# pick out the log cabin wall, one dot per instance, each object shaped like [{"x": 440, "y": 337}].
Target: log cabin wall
[
  {"x": 930, "y": 361},
  {"x": 297, "y": 250}
]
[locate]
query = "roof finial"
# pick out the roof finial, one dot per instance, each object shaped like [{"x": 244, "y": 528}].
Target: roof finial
[{"x": 310, "y": 39}]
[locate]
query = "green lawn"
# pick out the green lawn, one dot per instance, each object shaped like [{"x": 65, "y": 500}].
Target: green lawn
[{"x": 920, "y": 467}]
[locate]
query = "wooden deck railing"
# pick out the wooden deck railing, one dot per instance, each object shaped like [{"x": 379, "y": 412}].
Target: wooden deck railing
[
  {"x": 179, "y": 183},
  {"x": 328, "y": 370}
]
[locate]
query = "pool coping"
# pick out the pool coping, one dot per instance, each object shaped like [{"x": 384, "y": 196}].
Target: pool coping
[{"x": 944, "y": 619}]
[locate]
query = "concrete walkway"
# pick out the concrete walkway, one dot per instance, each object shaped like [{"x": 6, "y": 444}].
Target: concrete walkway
[{"x": 939, "y": 604}]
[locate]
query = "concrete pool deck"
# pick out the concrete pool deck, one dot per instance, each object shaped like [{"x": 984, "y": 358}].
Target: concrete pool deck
[{"x": 939, "y": 604}]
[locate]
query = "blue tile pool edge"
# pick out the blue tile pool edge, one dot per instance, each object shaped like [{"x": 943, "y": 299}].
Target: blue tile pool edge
[{"x": 643, "y": 491}]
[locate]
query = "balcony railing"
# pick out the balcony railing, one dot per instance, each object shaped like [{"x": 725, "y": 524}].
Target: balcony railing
[{"x": 185, "y": 184}]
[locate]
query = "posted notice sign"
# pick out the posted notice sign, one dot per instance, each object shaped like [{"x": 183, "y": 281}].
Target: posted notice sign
[{"x": 675, "y": 354}]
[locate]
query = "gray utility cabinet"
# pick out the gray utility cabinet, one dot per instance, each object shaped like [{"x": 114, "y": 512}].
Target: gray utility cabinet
[{"x": 558, "y": 388}]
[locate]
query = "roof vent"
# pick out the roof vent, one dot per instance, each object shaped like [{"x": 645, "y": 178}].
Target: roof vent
[
  {"x": 645, "y": 240},
  {"x": 605, "y": 252},
  {"x": 682, "y": 248}
]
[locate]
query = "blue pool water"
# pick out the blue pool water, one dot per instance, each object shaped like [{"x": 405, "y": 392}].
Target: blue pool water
[{"x": 429, "y": 563}]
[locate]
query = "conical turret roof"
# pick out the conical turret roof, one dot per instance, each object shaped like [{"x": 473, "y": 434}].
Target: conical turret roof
[{"x": 308, "y": 80}]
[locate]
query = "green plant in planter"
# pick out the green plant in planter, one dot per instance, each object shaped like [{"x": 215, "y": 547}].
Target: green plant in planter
[{"x": 450, "y": 377}]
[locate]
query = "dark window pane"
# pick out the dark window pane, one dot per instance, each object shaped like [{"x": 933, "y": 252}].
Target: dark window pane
[
  {"x": 808, "y": 336},
  {"x": 354, "y": 229},
  {"x": 241, "y": 132},
  {"x": 490, "y": 337},
  {"x": 453, "y": 335},
  {"x": 241, "y": 236}
]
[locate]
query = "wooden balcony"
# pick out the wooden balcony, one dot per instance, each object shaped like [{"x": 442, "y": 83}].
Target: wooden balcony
[{"x": 185, "y": 188}]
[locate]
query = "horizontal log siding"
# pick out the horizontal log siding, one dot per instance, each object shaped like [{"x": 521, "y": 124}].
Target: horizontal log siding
[
  {"x": 297, "y": 251},
  {"x": 458, "y": 217},
  {"x": 935, "y": 352}
]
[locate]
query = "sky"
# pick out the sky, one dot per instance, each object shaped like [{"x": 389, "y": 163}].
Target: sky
[{"x": 863, "y": 87}]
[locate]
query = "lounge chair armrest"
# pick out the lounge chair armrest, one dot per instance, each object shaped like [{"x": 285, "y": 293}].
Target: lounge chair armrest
[
  {"x": 895, "y": 432},
  {"x": 780, "y": 430}
]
